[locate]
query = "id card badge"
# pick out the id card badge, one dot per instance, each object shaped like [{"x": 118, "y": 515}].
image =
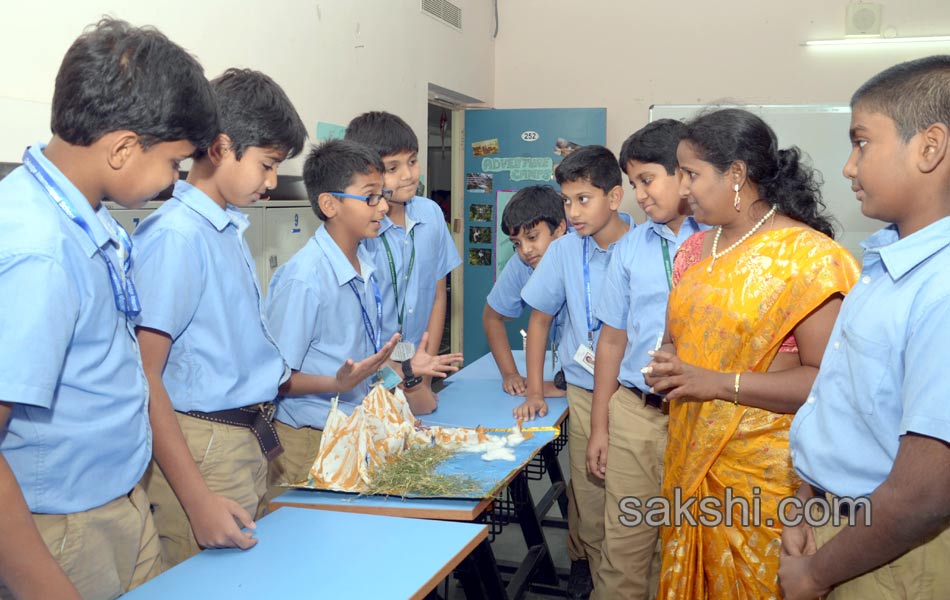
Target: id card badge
[
  {"x": 389, "y": 378},
  {"x": 585, "y": 358}
]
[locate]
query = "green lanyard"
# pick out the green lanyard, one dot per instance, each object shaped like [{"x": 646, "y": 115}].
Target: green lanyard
[
  {"x": 392, "y": 272},
  {"x": 666, "y": 262}
]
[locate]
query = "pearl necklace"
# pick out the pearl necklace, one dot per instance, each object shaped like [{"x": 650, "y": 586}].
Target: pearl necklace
[{"x": 717, "y": 255}]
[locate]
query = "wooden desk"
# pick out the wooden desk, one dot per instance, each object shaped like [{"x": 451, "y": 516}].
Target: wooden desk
[
  {"x": 446, "y": 509},
  {"x": 318, "y": 554}
]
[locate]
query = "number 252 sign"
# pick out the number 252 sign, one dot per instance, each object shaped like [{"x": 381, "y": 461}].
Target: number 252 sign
[{"x": 530, "y": 136}]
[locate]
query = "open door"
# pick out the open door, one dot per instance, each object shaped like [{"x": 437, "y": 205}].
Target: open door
[{"x": 506, "y": 150}]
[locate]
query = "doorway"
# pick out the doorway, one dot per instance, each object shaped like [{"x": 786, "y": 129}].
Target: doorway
[{"x": 438, "y": 187}]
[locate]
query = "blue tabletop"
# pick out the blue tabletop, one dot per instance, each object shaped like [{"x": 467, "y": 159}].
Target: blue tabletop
[
  {"x": 475, "y": 401},
  {"x": 485, "y": 368},
  {"x": 318, "y": 554}
]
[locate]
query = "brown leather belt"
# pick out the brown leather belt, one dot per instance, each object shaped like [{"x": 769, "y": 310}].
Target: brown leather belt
[
  {"x": 258, "y": 418},
  {"x": 653, "y": 400}
]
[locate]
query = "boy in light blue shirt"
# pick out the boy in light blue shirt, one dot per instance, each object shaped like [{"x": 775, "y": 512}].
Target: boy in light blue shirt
[
  {"x": 533, "y": 218},
  {"x": 414, "y": 251},
  {"x": 632, "y": 307},
  {"x": 568, "y": 280},
  {"x": 326, "y": 308},
  {"x": 213, "y": 367},
  {"x": 876, "y": 426},
  {"x": 128, "y": 106}
]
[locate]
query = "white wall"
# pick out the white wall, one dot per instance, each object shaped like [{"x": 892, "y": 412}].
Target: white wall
[
  {"x": 628, "y": 55},
  {"x": 334, "y": 58}
]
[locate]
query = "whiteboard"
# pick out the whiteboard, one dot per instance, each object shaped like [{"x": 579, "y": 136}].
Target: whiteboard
[{"x": 821, "y": 132}]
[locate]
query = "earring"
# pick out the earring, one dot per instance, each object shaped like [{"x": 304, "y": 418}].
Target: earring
[{"x": 736, "y": 201}]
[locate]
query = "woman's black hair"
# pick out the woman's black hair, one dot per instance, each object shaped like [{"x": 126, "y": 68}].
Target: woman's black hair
[{"x": 724, "y": 136}]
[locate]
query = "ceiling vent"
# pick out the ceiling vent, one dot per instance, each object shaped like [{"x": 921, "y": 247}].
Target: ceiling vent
[{"x": 444, "y": 11}]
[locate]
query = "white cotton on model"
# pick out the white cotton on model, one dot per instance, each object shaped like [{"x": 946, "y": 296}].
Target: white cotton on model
[{"x": 502, "y": 453}]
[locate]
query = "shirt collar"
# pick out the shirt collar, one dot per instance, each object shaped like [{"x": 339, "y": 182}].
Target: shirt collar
[
  {"x": 901, "y": 255},
  {"x": 341, "y": 267},
  {"x": 237, "y": 218},
  {"x": 78, "y": 202},
  {"x": 626, "y": 218},
  {"x": 412, "y": 219},
  {"x": 202, "y": 204},
  {"x": 688, "y": 226},
  {"x": 109, "y": 224}
]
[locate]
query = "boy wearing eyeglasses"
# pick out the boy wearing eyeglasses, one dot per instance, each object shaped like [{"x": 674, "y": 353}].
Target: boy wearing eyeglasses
[
  {"x": 212, "y": 366},
  {"x": 326, "y": 309},
  {"x": 414, "y": 250},
  {"x": 128, "y": 106}
]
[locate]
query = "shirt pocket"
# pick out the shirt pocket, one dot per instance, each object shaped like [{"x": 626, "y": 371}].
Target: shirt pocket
[{"x": 868, "y": 362}]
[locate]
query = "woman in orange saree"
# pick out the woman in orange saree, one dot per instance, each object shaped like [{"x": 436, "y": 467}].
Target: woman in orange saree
[{"x": 748, "y": 323}]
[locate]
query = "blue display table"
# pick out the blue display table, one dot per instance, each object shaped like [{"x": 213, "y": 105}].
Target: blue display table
[{"x": 319, "y": 554}]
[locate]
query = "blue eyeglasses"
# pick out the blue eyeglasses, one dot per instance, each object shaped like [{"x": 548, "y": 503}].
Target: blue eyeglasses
[{"x": 371, "y": 200}]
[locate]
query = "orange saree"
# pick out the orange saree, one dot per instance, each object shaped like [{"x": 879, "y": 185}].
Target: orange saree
[{"x": 735, "y": 319}]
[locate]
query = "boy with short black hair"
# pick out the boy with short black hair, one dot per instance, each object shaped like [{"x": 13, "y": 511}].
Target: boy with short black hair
[
  {"x": 533, "y": 218},
  {"x": 212, "y": 366},
  {"x": 568, "y": 280},
  {"x": 128, "y": 106},
  {"x": 325, "y": 308},
  {"x": 414, "y": 251},
  {"x": 876, "y": 426},
  {"x": 632, "y": 307}
]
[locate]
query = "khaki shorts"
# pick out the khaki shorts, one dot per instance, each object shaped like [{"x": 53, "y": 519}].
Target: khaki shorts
[
  {"x": 629, "y": 568},
  {"x": 300, "y": 450},
  {"x": 105, "y": 551},
  {"x": 920, "y": 574},
  {"x": 585, "y": 517},
  {"x": 232, "y": 464}
]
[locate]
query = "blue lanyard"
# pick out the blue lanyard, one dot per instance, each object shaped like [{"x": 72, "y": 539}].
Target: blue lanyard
[
  {"x": 126, "y": 298},
  {"x": 374, "y": 335},
  {"x": 591, "y": 326}
]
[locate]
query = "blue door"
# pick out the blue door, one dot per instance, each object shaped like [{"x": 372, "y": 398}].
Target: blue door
[{"x": 506, "y": 150}]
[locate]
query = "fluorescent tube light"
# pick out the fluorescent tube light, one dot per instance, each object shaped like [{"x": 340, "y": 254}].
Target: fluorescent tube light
[{"x": 859, "y": 41}]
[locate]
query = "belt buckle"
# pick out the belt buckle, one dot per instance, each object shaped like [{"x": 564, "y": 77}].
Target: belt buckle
[{"x": 267, "y": 410}]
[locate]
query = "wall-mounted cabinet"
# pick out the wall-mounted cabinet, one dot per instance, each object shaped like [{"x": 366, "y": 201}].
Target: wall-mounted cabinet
[{"x": 277, "y": 230}]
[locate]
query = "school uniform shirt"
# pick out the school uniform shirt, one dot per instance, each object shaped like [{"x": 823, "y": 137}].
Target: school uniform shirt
[
  {"x": 505, "y": 296},
  {"x": 883, "y": 373},
  {"x": 198, "y": 284},
  {"x": 78, "y": 435},
  {"x": 435, "y": 256},
  {"x": 315, "y": 307},
  {"x": 558, "y": 282},
  {"x": 634, "y": 294}
]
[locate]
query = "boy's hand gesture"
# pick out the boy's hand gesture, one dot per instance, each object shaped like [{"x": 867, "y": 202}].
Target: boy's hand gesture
[
  {"x": 217, "y": 522},
  {"x": 352, "y": 373},
  {"x": 534, "y": 405},
  {"x": 440, "y": 365},
  {"x": 514, "y": 384}
]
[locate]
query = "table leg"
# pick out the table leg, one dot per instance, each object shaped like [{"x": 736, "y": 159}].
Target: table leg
[
  {"x": 479, "y": 575},
  {"x": 558, "y": 489},
  {"x": 539, "y": 556}
]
